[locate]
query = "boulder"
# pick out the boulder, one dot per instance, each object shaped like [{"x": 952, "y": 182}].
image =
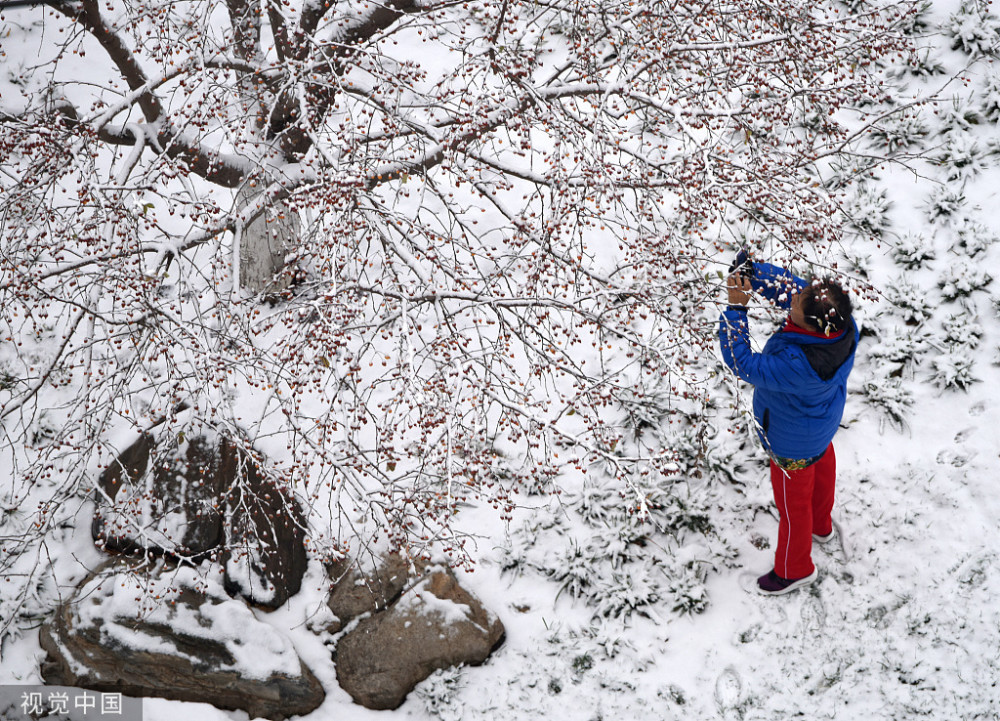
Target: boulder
[
  {"x": 193, "y": 493},
  {"x": 434, "y": 625},
  {"x": 265, "y": 554},
  {"x": 166, "y": 635},
  {"x": 355, "y": 593},
  {"x": 160, "y": 495}
]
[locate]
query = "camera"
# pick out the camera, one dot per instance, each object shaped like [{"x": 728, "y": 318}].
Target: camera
[{"x": 742, "y": 266}]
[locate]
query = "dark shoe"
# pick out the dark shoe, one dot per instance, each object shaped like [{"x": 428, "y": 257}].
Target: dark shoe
[{"x": 771, "y": 584}]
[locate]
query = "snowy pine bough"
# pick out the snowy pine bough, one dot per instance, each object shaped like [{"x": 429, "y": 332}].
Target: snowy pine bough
[
  {"x": 913, "y": 251},
  {"x": 974, "y": 29}
]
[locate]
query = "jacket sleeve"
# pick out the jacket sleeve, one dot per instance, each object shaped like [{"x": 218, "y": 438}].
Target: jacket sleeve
[
  {"x": 785, "y": 371},
  {"x": 776, "y": 284}
]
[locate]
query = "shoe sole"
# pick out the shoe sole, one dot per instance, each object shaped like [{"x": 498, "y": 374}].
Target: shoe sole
[
  {"x": 793, "y": 586},
  {"x": 832, "y": 535}
]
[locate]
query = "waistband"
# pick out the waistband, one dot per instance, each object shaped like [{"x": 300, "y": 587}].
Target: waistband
[{"x": 795, "y": 464}]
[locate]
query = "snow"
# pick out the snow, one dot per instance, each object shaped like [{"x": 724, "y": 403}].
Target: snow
[
  {"x": 116, "y": 602},
  {"x": 903, "y": 625},
  {"x": 420, "y": 601},
  {"x": 240, "y": 569}
]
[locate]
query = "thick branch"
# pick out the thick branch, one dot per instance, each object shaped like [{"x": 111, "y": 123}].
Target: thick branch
[
  {"x": 312, "y": 12},
  {"x": 295, "y": 141},
  {"x": 222, "y": 170},
  {"x": 380, "y": 18},
  {"x": 88, "y": 14},
  {"x": 246, "y": 28},
  {"x": 279, "y": 29}
]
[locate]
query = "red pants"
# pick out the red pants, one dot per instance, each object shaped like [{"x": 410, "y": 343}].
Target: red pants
[{"x": 805, "y": 500}]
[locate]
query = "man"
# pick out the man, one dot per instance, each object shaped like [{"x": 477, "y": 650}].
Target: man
[{"x": 800, "y": 387}]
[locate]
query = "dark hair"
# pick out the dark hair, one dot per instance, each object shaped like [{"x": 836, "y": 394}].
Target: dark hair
[{"x": 826, "y": 305}]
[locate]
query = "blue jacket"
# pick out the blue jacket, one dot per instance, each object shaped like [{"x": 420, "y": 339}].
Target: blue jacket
[{"x": 799, "y": 380}]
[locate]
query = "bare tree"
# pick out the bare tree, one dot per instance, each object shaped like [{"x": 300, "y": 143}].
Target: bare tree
[{"x": 415, "y": 252}]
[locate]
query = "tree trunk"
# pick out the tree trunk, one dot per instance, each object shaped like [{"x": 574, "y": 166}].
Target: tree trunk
[{"x": 264, "y": 243}]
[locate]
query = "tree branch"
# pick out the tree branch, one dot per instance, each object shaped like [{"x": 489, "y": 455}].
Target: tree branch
[
  {"x": 246, "y": 28},
  {"x": 279, "y": 29},
  {"x": 88, "y": 14},
  {"x": 225, "y": 170},
  {"x": 295, "y": 141}
]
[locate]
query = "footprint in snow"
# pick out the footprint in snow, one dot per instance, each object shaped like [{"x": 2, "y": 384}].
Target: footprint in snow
[
  {"x": 728, "y": 689},
  {"x": 747, "y": 635},
  {"x": 949, "y": 457},
  {"x": 813, "y": 614}
]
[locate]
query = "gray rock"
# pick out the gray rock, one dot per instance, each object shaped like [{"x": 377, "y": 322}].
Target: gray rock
[
  {"x": 159, "y": 495},
  {"x": 355, "y": 594},
  {"x": 191, "y": 494},
  {"x": 178, "y": 641},
  {"x": 265, "y": 554},
  {"x": 434, "y": 625}
]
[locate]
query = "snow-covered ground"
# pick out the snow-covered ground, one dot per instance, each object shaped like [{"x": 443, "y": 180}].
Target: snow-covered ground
[{"x": 903, "y": 622}]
